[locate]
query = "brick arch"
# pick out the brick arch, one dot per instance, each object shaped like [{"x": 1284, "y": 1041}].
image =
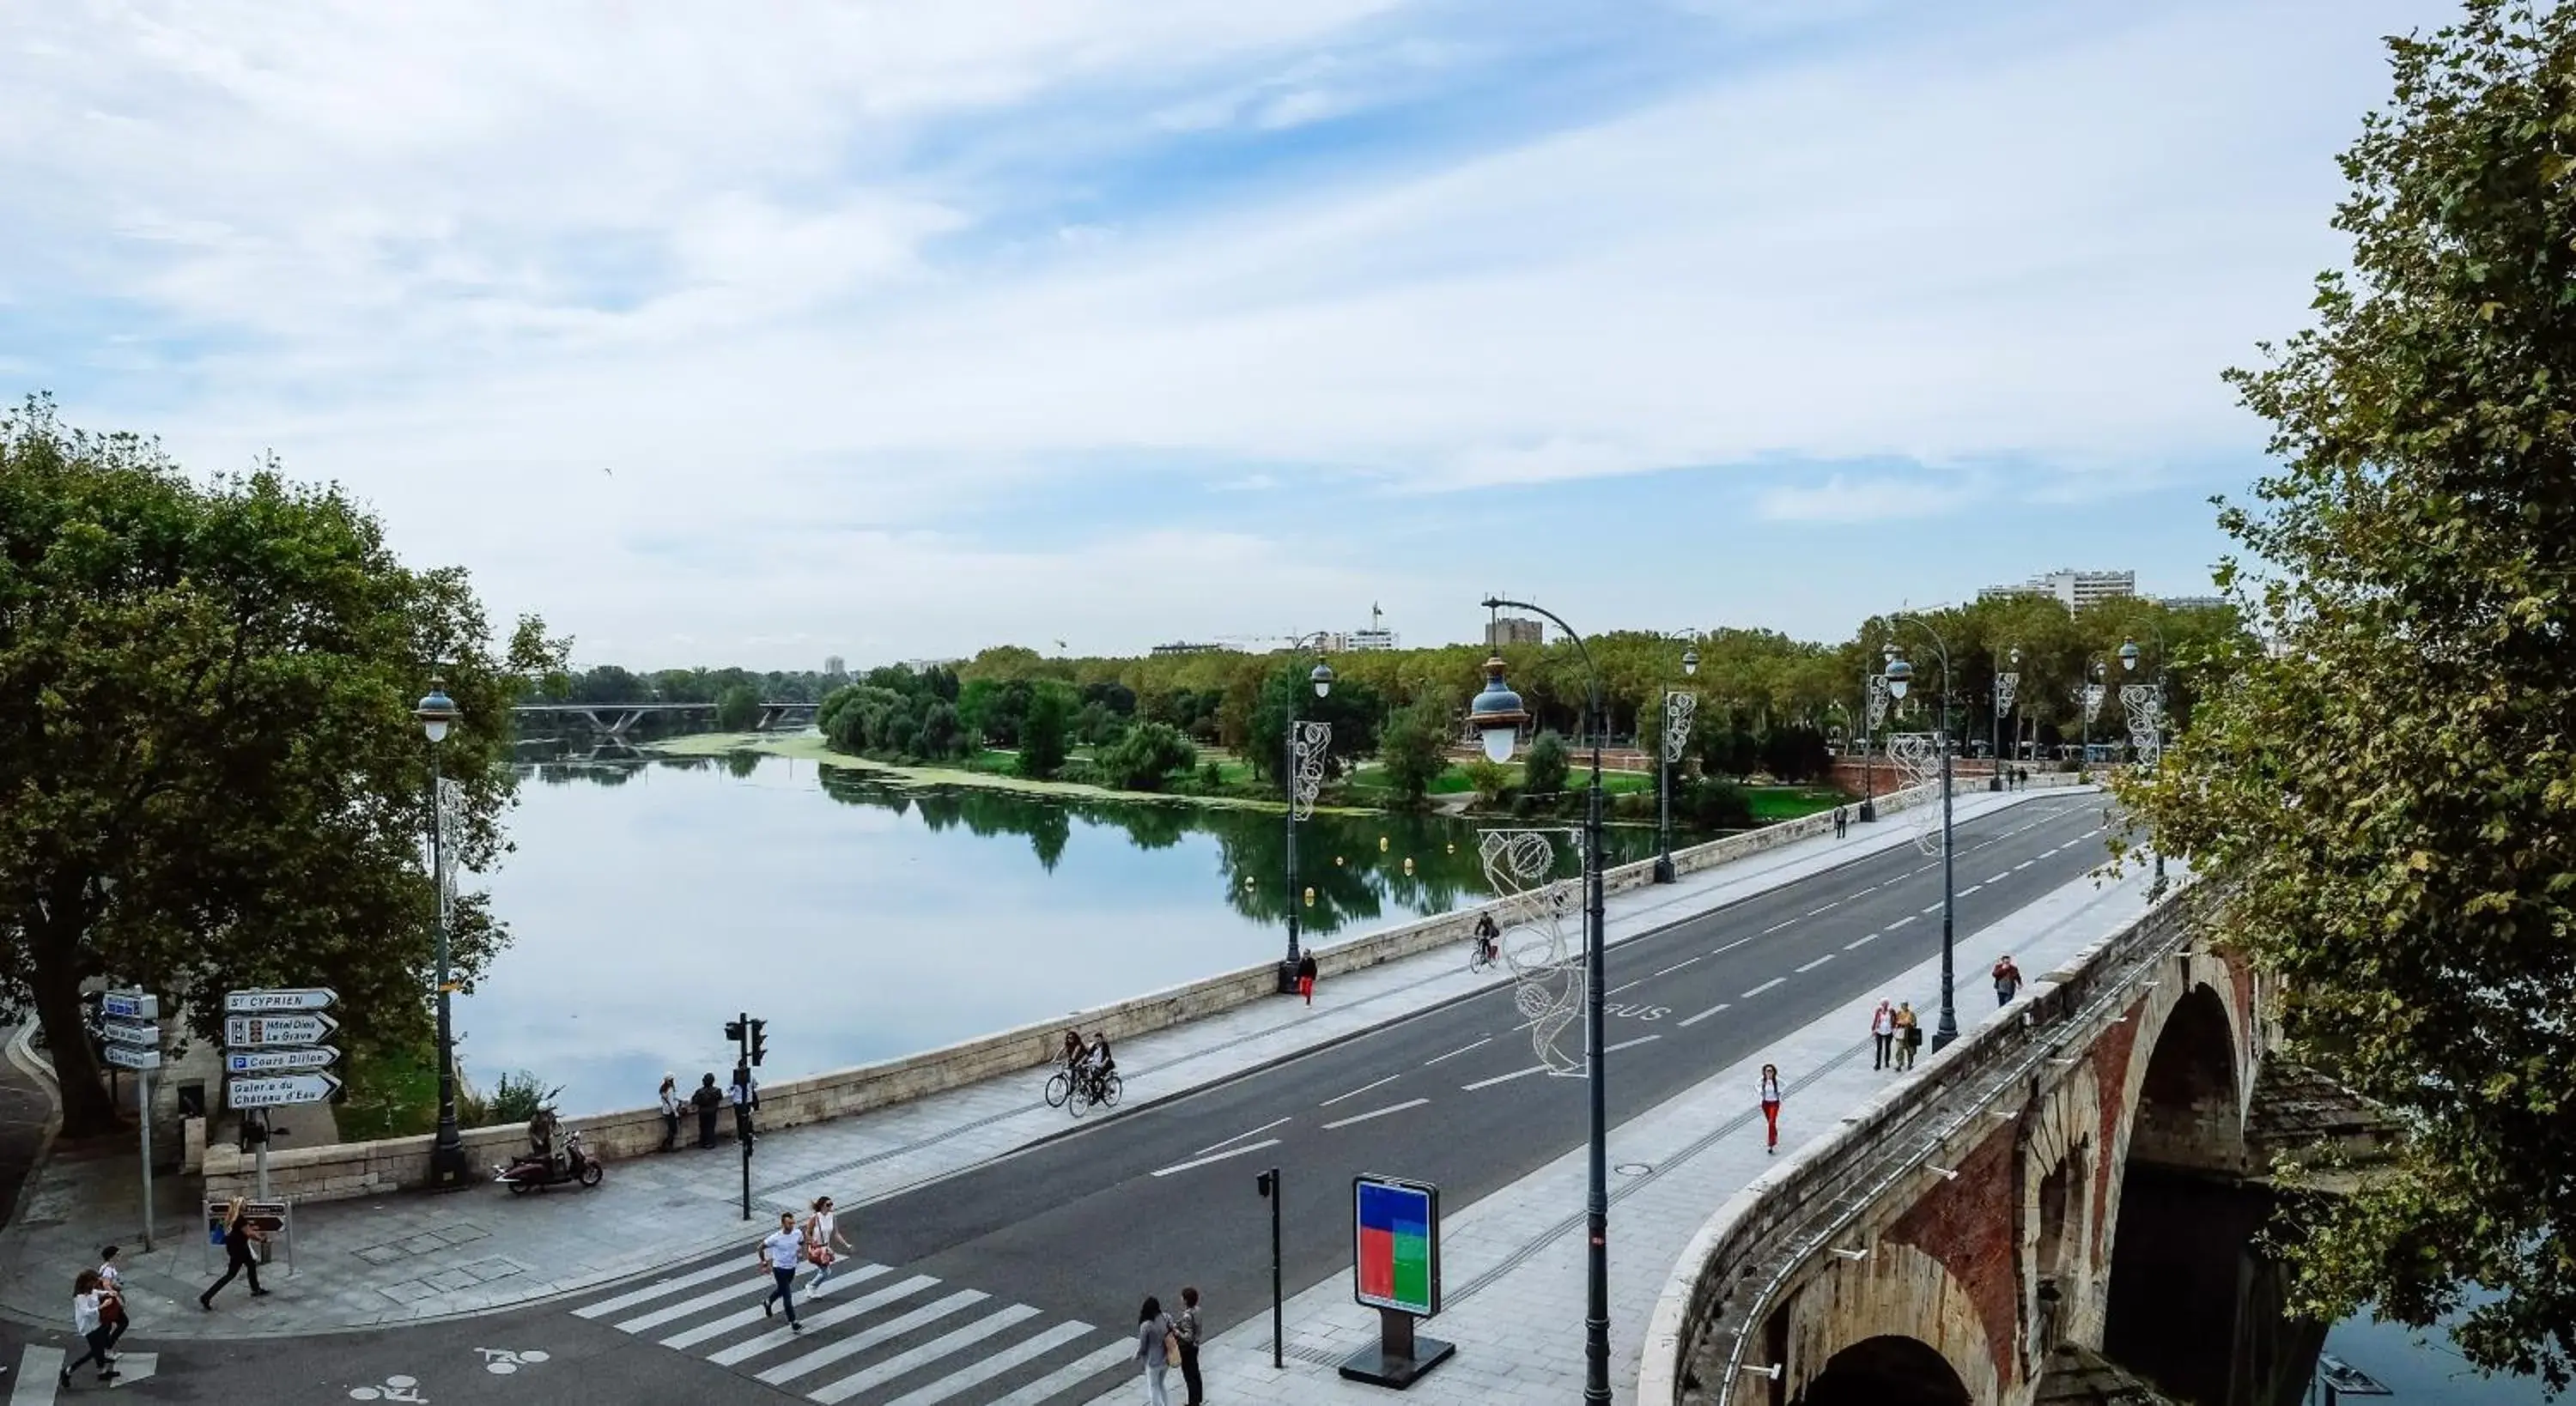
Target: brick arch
[
  {"x": 1887, "y": 1370},
  {"x": 1896, "y": 1292},
  {"x": 2058, "y": 1174},
  {"x": 2123, "y": 1057}
]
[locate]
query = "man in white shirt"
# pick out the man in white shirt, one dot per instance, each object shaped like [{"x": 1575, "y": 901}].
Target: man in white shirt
[
  {"x": 745, "y": 1094},
  {"x": 780, "y": 1253}
]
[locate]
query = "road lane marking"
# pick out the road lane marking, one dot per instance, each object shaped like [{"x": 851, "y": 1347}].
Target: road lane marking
[
  {"x": 1377, "y": 1113},
  {"x": 1900, "y": 922},
  {"x": 1630, "y": 1044},
  {"x": 1238, "y": 1137},
  {"x": 1814, "y": 911},
  {"x": 1504, "y": 1078},
  {"x": 1219, "y": 1157},
  {"x": 1703, "y": 1015},
  {"x": 855, "y": 1344},
  {"x": 655, "y": 1290},
  {"x": 1935, "y": 908},
  {"x": 1364, "y": 1088},
  {"x": 1677, "y": 966},
  {"x": 1860, "y": 942},
  {"x": 1057, "y": 1382},
  {"x": 753, "y": 1347},
  {"x": 1775, "y": 927},
  {"x": 1462, "y": 1049},
  {"x": 878, "y": 1373},
  {"x": 1811, "y": 966},
  {"x": 730, "y": 1293},
  {"x": 1758, "y": 990},
  {"x": 1615, "y": 990},
  {"x": 2024, "y": 865},
  {"x": 1972, "y": 888},
  {"x": 1997, "y": 878},
  {"x": 994, "y": 1365}
]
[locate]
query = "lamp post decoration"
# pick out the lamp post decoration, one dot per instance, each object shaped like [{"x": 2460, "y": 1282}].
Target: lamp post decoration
[
  {"x": 437, "y": 713},
  {"x": 2007, "y": 682},
  {"x": 1900, "y": 675},
  {"x": 2145, "y": 704},
  {"x": 1679, "y": 708},
  {"x": 1309, "y": 744},
  {"x": 1546, "y": 967}
]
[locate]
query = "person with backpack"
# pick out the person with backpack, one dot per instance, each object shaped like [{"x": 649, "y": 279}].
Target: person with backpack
[
  {"x": 706, "y": 1099},
  {"x": 1157, "y": 1348},
  {"x": 2007, "y": 981},
  {"x": 239, "y": 1236}
]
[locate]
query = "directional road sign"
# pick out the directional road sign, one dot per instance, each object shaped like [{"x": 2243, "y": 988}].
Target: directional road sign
[
  {"x": 303, "y": 1061},
  {"x": 128, "y": 1057},
  {"x": 130, "y": 1005},
  {"x": 285, "y": 1089},
  {"x": 125, "y": 1032},
  {"x": 310, "y": 998},
  {"x": 246, "y": 1032}
]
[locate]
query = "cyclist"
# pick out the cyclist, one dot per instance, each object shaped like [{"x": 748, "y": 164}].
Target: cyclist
[
  {"x": 1101, "y": 1065},
  {"x": 1072, "y": 1053},
  {"x": 1487, "y": 947}
]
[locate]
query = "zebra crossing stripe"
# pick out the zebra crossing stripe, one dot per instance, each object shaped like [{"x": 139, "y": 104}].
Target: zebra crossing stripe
[
  {"x": 1055, "y": 1383},
  {"x": 857, "y": 1343},
  {"x": 718, "y": 1327},
  {"x": 994, "y": 1365},
  {"x": 838, "y": 1313},
  {"x": 731, "y": 1293},
  {"x": 910, "y": 1358},
  {"x": 39, "y": 1368},
  {"x": 657, "y": 1289}
]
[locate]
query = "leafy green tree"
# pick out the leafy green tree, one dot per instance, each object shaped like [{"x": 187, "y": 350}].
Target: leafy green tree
[
  {"x": 1415, "y": 746},
  {"x": 1489, "y": 780},
  {"x": 1146, "y": 755},
  {"x": 2386, "y": 805},
  {"x": 1354, "y": 710},
  {"x": 210, "y": 776},
  {"x": 738, "y": 708},
  {"x": 1543, "y": 773},
  {"x": 1043, "y": 733}
]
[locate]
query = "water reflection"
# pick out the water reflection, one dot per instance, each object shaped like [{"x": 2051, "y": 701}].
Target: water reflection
[{"x": 653, "y": 899}]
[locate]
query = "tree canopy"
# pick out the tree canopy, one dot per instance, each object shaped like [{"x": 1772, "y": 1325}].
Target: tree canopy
[
  {"x": 2386, "y": 803},
  {"x": 210, "y": 775}
]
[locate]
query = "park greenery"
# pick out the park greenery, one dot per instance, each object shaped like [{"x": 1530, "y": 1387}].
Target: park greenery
[
  {"x": 2386, "y": 804},
  {"x": 210, "y": 775}
]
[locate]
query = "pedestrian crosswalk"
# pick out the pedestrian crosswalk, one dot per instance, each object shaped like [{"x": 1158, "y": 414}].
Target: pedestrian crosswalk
[
  {"x": 40, "y": 1374},
  {"x": 880, "y": 1336}
]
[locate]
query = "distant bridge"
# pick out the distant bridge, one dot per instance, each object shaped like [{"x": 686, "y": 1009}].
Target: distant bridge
[{"x": 615, "y": 719}]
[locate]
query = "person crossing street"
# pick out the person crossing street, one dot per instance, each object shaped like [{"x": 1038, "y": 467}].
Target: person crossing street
[{"x": 780, "y": 1252}]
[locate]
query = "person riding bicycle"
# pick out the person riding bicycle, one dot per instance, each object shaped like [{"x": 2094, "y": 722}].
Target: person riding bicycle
[
  {"x": 1099, "y": 1066},
  {"x": 1487, "y": 946},
  {"x": 1072, "y": 1054}
]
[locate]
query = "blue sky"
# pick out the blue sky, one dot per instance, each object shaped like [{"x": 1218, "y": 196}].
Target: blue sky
[{"x": 898, "y": 330}]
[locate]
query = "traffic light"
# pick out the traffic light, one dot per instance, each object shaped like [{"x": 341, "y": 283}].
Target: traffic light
[
  {"x": 1266, "y": 1181},
  {"x": 759, "y": 1042},
  {"x": 733, "y": 1031}
]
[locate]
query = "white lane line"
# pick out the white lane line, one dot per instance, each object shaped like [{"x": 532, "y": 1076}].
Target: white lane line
[
  {"x": 1630, "y": 1044},
  {"x": 1703, "y": 1015},
  {"x": 657, "y": 1289},
  {"x": 1972, "y": 888},
  {"x": 1814, "y": 911},
  {"x": 1811, "y": 966},
  {"x": 1504, "y": 1078},
  {"x": 1218, "y": 1157},
  {"x": 1864, "y": 893},
  {"x": 1364, "y": 1088},
  {"x": 752, "y": 1347},
  {"x": 1462, "y": 1049},
  {"x": 1677, "y": 966},
  {"x": 1775, "y": 927},
  {"x": 2024, "y": 865},
  {"x": 1238, "y": 1137},
  {"x": 1615, "y": 990},
  {"x": 857, "y": 1343},
  {"x": 1758, "y": 990},
  {"x": 878, "y": 1373},
  {"x": 1935, "y": 908},
  {"x": 984, "y": 1367},
  {"x": 39, "y": 1369},
  {"x": 1055, "y": 1383},
  {"x": 1722, "y": 951},
  {"x": 1900, "y": 922},
  {"x": 1998, "y": 878},
  {"x": 1860, "y": 942},
  {"x": 1377, "y": 1113}
]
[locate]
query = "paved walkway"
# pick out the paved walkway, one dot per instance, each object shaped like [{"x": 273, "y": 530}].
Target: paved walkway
[
  {"x": 1513, "y": 1263},
  {"x": 369, "y": 1263}
]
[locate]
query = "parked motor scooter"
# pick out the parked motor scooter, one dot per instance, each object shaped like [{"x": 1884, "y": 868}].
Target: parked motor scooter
[{"x": 536, "y": 1172}]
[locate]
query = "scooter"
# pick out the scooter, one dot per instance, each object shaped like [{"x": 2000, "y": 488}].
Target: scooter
[{"x": 526, "y": 1173}]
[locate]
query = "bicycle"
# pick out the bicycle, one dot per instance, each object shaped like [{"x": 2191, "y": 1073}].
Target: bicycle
[
  {"x": 1059, "y": 1088},
  {"x": 1481, "y": 956},
  {"x": 1103, "y": 1091}
]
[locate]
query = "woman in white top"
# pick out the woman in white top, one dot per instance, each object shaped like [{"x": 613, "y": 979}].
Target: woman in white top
[
  {"x": 1771, "y": 1105},
  {"x": 670, "y": 1113},
  {"x": 85, "y": 1321},
  {"x": 821, "y": 1232}
]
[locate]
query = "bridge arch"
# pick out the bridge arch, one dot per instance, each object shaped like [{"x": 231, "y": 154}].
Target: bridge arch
[
  {"x": 1887, "y": 1370},
  {"x": 2188, "y": 1098},
  {"x": 2060, "y": 1173},
  {"x": 1897, "y": 1309}
]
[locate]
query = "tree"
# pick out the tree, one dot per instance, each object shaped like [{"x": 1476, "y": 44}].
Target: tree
[
  {"x": 1353, "y": 709},
  {"x": 1543, "y": 774},
  {"x": 210, "y": 776},
  {"x": 1042, "y": 732},
  {"x": 738, "y": 708},
  {"x": 1415, "y": 746},
  {"x": 2385, "y": 805},
  {"x": 1148, "y": 753}
]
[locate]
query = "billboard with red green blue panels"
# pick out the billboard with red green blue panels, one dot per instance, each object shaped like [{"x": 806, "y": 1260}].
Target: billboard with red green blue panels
[{"x": 1395, "y": 1227}]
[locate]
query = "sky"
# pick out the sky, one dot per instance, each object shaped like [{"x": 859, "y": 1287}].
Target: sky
[{"x": 756, "y": 335}]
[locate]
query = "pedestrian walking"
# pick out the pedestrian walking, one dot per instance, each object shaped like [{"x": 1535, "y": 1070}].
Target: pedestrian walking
[
  {"x": 744, "y": 1094},
  {"x": 670, "y": 1113},
  {"x": 1909, "y": 1034},
  {"x": 779, "y": 1252},
  {"x": 239, "y": 1236},
  {"x": 1306, "y": 977},
  {"x": 1842, "y": 820},
  {"x": 2007, "y": 980},
  {"x": 706, "y": 1100},
  {"x": 93, "y": 1333},
  {"x": 1771, "y": 1106},
  {"x": 1882, "y": 1036},
  {"x": 821, "y": 1233},
  {"x": 111, "y": 1305},
  {"x": 1188, "y": 1330},
  {"x": 1157, "y": 1348}
]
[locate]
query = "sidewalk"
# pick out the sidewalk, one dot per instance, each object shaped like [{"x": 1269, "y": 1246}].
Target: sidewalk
[
  {"x": 365, "y": 1264},
  {"x": 1512, "y": 1265}
]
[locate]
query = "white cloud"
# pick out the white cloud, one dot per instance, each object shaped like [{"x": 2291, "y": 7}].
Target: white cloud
[{"x": 1841, "y": 499}]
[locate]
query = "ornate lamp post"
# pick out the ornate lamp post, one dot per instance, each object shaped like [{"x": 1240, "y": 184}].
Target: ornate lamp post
[
  {"x": 1900, "y": 675},
  {"x": 1873, "y": 712},
  {"x": 2090, "y": 696},
  {"x": 1497, "y": 717},
  {"x": 2144, "y": 703},
  {"x": 1678, "y": 710},
  {"x": 1307, "y": 744},
  {"x": 2006, "y": 681},
  {"x": 437, "y": 713}
]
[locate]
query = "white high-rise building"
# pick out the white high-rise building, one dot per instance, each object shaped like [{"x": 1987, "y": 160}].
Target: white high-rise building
[{"x": 2073, "y": 589}]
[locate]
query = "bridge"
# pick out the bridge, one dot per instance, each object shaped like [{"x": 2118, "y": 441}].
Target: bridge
[
  {"x": 1954, "y": 1240},
  {"x": 615, "y": 719}
]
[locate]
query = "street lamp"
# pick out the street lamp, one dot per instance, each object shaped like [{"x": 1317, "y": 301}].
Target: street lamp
[
  {"x": 1307, "y": 744},
  {"x": 1678, "y": 708},
  {"x": 2091, "y": 703},
  {"x": 2145, "y": 706},
  {"x": 2006, "y": 681},
  {"x": 1899, "y": 675},
  {"x": 1497, "y": 716},
  {"x": 1873, "y": 709},
  {"x": 437, "y": 713}
]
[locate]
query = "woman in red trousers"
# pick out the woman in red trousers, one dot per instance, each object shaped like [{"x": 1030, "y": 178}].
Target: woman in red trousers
[{"x": 1771, "y": 1105}]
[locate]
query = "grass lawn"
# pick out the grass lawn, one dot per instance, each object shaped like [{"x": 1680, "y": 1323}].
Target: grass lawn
[
  {"x": 1772, "y": 803},
  {"x": 1452, "y": 781}
]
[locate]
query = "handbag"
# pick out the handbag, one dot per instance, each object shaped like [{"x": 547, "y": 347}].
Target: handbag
[{"x": 1171, "y": 1348}]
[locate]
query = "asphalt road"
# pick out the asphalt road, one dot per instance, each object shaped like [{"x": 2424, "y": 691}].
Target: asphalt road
[{"x": 1016, "y": 1282}]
